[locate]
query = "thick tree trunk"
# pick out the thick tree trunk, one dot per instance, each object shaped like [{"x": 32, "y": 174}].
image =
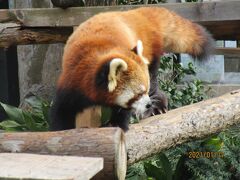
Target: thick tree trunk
[{"x": 108, "y": 143}]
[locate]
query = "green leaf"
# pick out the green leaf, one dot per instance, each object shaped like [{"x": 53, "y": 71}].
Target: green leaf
[
  {"x": 215, "y": 142},
  {"x": 13, "y": 113},
  {"x": 106, "y": 114},
  {"x": 153, "y": 171},
  {"x": 9, "y": 124},
  {"x": 166, "y": 165},
  {"x": 34, "y": 122},
  {"x": 178, "y": 173},
  {"x": 45, "y": 111},
  {"x": 34, "y": 102}
]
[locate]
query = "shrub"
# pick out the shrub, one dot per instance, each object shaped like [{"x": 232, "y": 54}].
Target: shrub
[{"x": 33, "y": 118}]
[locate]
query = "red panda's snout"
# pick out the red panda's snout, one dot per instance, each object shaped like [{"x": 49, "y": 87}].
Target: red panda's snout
[
  {"x": 141, "y": 105},
  {"x": 138, "y": 102}
]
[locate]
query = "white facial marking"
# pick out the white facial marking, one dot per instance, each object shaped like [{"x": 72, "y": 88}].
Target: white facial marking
[
  {"x": 140, "y": 105},
  {"x": 140, "y": 52},
  {"x": 142, "y": 88},
  {"x": 124, "y": 98}
]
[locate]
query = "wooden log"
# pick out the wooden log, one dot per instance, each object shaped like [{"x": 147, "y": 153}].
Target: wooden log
[
  {"x": 223, "y": 30},
  {"x": 32, "y": 166},
  {"x": 39, "y": 25},
  {"x": 14, "y": 34},
  {"x": 195, "y": 121},
  {"x": 108, "y": 143},
  {"x": 227, "y": 51},
  {"x": 207, "y": 13}
]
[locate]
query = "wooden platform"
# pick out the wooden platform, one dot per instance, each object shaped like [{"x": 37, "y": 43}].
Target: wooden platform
[{"x": 32, "y": 166}]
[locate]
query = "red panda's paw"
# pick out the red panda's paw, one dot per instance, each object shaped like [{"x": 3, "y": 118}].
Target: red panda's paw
[
  {"x": 159, "y": 104},
  {"x": 120, "y": 118}
]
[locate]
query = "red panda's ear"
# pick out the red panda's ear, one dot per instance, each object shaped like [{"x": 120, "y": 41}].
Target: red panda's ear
[
  {"x": 116, "y": 66},
  {"x": 134, "y": 50},
  {"x": 139, "y": 51}
]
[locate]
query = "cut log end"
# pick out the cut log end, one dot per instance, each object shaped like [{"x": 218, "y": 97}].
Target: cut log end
[{"x": 121, "y": 158}]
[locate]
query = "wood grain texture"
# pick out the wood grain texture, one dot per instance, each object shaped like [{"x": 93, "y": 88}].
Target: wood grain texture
[
  {"x": 13, "y": 34},
  {"x": 48, "y": 25},
  {"x": 195, "y": 121},
  {"x": 32, "y": 166},
  {"x": 227, "y": 51},
  {"x": 197, "y": 12},
  {"x": 108, "y": 143}
]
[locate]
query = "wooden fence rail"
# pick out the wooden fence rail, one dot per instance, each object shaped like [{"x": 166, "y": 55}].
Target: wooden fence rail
[{"x": 222, "y": 19}]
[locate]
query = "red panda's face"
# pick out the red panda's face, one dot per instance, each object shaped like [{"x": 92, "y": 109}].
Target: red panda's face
[
  {"x": 129, "y": 82},
  {"x": 124, "y": 80}
]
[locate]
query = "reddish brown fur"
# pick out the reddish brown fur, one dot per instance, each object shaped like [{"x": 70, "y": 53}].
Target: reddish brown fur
[{"x": 113, "y": 34}]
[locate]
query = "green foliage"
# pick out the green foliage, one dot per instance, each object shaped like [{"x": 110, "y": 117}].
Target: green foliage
[
  {"x": 160, "y": 169},
  {"x": 170, "y": 75},
  {"x": 34, "y": 118},
  {"x": 105, "y": 115}
]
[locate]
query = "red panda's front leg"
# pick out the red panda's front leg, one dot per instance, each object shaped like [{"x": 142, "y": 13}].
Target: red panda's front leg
[
  {"x": 120, "y": 117},
  {"x": 66, "y": 105},
  {"x": 158, "y": 98}
]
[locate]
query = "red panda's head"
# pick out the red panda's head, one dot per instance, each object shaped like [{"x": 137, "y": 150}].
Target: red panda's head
[{"x": 128, "y": 81}]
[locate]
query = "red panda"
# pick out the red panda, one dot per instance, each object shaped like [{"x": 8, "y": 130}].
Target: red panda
[{"x": 112, "y": 60}]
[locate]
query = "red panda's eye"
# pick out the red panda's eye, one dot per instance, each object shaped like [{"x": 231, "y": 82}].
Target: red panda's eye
[{"x": 135, "y": 98}]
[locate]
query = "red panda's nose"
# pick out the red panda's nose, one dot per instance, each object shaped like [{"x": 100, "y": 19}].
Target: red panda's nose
[{"x": 149, "y": 105}]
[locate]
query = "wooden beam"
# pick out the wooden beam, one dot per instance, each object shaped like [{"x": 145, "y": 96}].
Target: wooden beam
[
  {"x": 54, "y": 17},
  {"x": 224, "y": 30},
  {"x": 32, "y": 166},
  {"x": 49, "y": 25},
  {"x": 227, "y": 51},
  {"x": 14, "y": 34}
]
